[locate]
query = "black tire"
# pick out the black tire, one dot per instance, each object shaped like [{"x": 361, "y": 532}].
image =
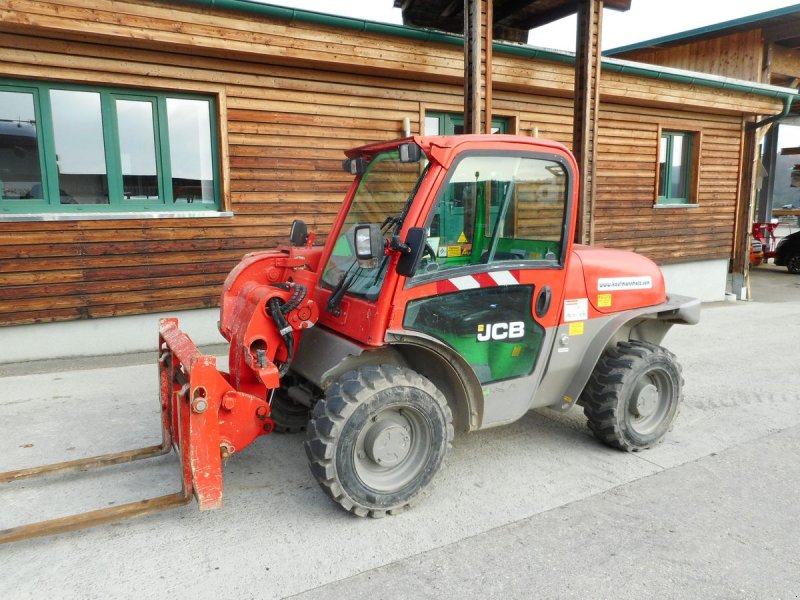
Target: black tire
[
  {"x": 793, "y": 263},
  {"x": 633, "y": 395},
  {"x": 377, "y": 439},
  {"x": 289, "y": 416}
]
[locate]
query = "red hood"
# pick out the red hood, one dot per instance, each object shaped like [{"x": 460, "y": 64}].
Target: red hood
[{"x": 617, "y": 280}]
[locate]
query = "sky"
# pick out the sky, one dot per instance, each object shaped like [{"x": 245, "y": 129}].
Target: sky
[{"x": 645, "y": 20}]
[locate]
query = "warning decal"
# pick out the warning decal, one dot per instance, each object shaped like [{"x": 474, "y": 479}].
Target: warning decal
[
  {"x": 576, "y": 328},
  {"x": 642, "y": 282},
  {"x": 576, "y": 310},
  {"x": 462, "y": 239}
]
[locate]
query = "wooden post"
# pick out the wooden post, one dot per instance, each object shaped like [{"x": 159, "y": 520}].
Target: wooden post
[
  {"x": 740, "y": 266},
  {"x": 586, "y": 109},
  {"x": 477, "y": 66}
]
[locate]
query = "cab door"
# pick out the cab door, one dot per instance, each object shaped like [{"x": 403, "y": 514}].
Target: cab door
[{"x": 492, "y": 284}]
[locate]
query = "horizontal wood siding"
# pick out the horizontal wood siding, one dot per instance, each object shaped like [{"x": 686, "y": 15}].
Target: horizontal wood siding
[
  {"x": 624, "y": 213},
  {"x": 292, "y": 98},
  {"x": 737, "y": 55}
]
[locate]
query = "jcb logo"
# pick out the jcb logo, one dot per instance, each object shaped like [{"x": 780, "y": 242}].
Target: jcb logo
[{"x": 501, "y": 331}]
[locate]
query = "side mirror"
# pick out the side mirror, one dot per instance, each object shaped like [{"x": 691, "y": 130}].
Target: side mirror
[
  {"x": 369, "y": 245},
  {"x": 298, "y": 234},
  {"x": 410, "y": 153},
  {"x": 354, "y": 166},
  {"x": 412, "y": 251}
]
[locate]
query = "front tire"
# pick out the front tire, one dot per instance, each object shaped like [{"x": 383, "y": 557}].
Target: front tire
[
  {"x": 633, "y": 395},
  {"x": 377, "y": 439}
]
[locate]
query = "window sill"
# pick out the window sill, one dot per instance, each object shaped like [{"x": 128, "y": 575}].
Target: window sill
[
  {"x": 676, "y": 205},
  {"x": 114, "y": 216}
]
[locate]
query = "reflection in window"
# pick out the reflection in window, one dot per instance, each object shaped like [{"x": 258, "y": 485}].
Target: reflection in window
[
  {"x": 20, "y": 173},
  {"x": 432, "y": 126},
  {"x": 80, "y": 150},
  {"x": 190, "y": 150},
  {"x": 674, "y": 166},
  {"x": 87, "y": 149},
  {"x": 500, "y": 208},
  {"x": 453, "y": 124},
  {"x": 137, "y": 147}
]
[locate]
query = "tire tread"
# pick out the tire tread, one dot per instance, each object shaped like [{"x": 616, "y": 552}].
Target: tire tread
[
  {"x": 600, "y": 397},
  {"x": 331, "y": 413}
]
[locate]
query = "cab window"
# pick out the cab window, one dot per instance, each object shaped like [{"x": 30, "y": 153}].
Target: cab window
[{"x": 499, "y": 209}]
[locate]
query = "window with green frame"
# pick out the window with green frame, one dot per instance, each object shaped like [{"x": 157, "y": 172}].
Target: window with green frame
[
  {"x": 66, "y": 148},
  {"x": 438, "y": 123},
  {"x": 675, "y": 167}
]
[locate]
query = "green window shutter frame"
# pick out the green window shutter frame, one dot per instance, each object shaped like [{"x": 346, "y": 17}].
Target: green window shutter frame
[
  {"x": 51, "y": 203},
  {"x": 449, "y": 121},
  {"x": 666, "y": 180}
]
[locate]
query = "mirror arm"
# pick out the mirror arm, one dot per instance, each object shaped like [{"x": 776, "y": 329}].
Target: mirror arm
[{"x": 395, "y": 245}]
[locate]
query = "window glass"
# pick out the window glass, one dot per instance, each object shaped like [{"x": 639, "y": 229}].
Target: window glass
[
  {"x": 382, "y": 197},
  {"x": 678, "y": 168},
  {"x": 80, "y": 149},
  {"x": 432, "y": 126},
  {"x": 453, "y": 124},
  {"x": 662, "y": 166},
  {"x": 20, "y": 171},
  {"x": 190, "y": 150},
  {"x": 499, "y": 208},
  {"x": 674, "y": 167},
  {"x": 70, "y": 148},
  {"x": 137, "y": 149}
]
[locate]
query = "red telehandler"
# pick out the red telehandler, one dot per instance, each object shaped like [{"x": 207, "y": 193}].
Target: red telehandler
[{"x": 449, "y": 296}]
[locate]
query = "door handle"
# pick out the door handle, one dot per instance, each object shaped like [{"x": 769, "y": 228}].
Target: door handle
[{"x": 543, "y": 301}]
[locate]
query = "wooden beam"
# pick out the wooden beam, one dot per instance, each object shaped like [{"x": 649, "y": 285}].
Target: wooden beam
[
  {"x": 510, "y": 8},
  {"x": 478, "y": 66},
  {"x": 586, "y": 109},
  {"x": 786, "y": 30},
  {"x": 740, "y": 265},
  {"x": 784, "y": 62}
]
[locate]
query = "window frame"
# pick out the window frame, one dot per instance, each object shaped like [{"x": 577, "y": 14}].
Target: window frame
[
  {"x": 693, "y": 139},
  {"x": 117, "y": 203},
  {"x": 448, "y": 121},
  {"x": 499, "y": 265}
]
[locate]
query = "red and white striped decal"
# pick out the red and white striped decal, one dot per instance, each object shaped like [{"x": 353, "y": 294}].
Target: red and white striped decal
[{"x": 479, "y": 280}]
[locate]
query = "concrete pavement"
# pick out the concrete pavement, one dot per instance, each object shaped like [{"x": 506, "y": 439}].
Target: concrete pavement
[{"x": 534, "y": 509}]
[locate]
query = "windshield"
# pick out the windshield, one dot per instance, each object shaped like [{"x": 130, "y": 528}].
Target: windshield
[{"x": 384, "y": 193}]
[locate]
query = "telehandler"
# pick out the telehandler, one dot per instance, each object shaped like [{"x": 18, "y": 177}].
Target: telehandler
[{"x": 449, "y": 296}]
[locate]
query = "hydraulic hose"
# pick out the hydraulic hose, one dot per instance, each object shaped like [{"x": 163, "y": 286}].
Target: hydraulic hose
[{"x": 278, "y": 309}]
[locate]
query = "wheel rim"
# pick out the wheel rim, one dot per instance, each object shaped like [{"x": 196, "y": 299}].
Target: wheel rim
[
  {"x": 650, "y": 402},
  {"x": 392, "y": 448}
]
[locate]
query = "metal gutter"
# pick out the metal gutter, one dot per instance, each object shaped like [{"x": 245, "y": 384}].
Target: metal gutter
[
  {"x": 787, "y": 106},
  {"x": 748, "y": 22},
  {"x": 616, "y": 65},
  {"x": 522, "y": 50}
]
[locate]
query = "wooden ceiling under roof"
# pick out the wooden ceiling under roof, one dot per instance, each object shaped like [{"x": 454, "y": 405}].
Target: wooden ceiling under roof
[{"x": 512, "y": 18}]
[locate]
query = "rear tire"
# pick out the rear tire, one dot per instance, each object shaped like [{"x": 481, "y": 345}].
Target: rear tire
[
  {"x": 633, "y": 395},
  {"x": 793, "y": 263},
  {"x": 289, "y": 416},
  {"x": 377, "y": 439}
]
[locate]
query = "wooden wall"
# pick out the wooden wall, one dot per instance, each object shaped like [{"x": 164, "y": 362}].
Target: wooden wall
[
  {"x": 624, "y": 214},
  {"x": 737, "y": 55},
  {"x": 291, "y": 99}
]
